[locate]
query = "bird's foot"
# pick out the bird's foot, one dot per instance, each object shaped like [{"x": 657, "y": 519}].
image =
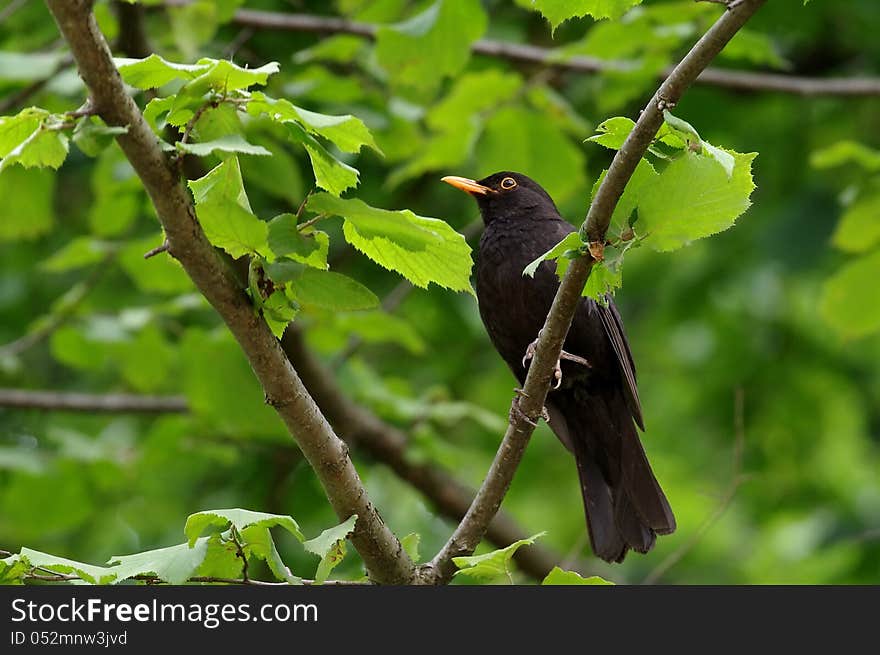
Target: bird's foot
[
  {"x": 516, "y": 412},
  {"x": 557, "y": 369}
]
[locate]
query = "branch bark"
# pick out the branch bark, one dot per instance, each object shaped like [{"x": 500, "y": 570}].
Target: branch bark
[
  {"x": 381, "y": 551},
  {"x": 526, "y": 409},
  {"x": 725, "y": 78}
]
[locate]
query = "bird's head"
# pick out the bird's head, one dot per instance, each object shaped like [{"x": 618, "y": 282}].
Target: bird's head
[{"x": 506, "y": 195}]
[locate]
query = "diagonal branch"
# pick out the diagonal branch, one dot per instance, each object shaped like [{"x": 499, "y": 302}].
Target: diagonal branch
[
  {"x": 526, "y": 410},
  {"x": 382, "y": 553},
  {"x": 530, "y": 54}
]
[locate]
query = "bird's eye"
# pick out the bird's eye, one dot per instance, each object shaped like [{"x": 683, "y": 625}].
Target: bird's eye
[{"x": 508, "y": 183}]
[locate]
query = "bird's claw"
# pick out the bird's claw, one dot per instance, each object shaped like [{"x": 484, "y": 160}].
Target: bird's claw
[
  {"x": 557, "y": 370},
  {"x": 516, "y": 412}
]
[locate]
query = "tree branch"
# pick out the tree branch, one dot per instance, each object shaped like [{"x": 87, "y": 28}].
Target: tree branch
[
  {"x": 730, "y": 79},
  {"x": 113, "y": 403},
  {"x": 526, "y": 409},
  {"x": 381, "y": 551}
]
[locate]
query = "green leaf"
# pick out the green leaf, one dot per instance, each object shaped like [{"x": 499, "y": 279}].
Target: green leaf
[
  {"x": 346, "y": 132},
  {"x": 285, "y": 240},
  {"x": 88, "y": 572},
  {"x": 228, "y": 143},
  {"x": 559, "y": 577},
  {"x": 559, "y": 11},
  {"x": 849, "y": 298},
  {"x": 330, "y": 547},
  {"x": 330, "y": 174},
  {"x": 494, "y": 565},
  {"x": 604, "y": 280},
  {"x": 419, "y": 52},
  {"x": 846, "y": 152},
  {"x": 214, "y": 519},
  {"x": 258, "y": 543},
  {"x": 231, "y": 227},
  {"x": 92, "y": 135},
  {"x": 26, "y": 211},
  {"x": 859, "y": 227},
  {"x": 224, "y": 76},
  {"x": 613, "y": 132},
  {"x": 154, "y": 71},
  {"x": 222, "y": 183},
  {"x": 572, "y": 241},
  {"x": 694, "y": 198},
  {"x": 331, "y": 290},
  {"x": 421, "y": 249},
  {"x": 13, "y": 570},
  {"x": 28, "y": 139},
  {"x": 175, "y": 564},
  {"x": 283, "y": 270},
  {"x": 279, "y": 311}
]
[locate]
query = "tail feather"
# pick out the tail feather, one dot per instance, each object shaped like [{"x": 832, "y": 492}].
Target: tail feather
[{"x": 624, "y": 504}]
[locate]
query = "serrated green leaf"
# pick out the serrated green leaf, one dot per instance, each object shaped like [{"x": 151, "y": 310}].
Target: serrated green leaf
[
  {"x": 26, "y": 139},
  {"x": 419, "y": 52},
  {"x": 613, "y": 132},
  {"x": 228, "y": 143},
  {"x": 88, "y": 572},
  {"x": 346, "y": 132},
  {"x": 421, "y": 249},
  {"x": 330, "y": 547},
  {"x": 175, "y": 564},
  {"x": 603, "y": 281},
  {"x": 720, "y": 155},
  {"x": 571, "y": 242},
  {"x": 214, "y": 519},
  {"x": 154, "y": 71},
  {"x": 559, "y": 11},
  {"x": 223, "y": 75},
  {"x": 494, "y": 565},
  {"x": 849, "y": 298},
  {"x": 278, "y": 311},
  {"x": 285, "y": 240},
  {"x": 13, "y": 570},
  {"x": 859, "y": 228},
  {"x": 559, "y": 577},
  {"x": 706, "y": 200},
  {"x": 331, "y": 290},
  {"x": 331, "y": 174},
  {"x": 221, "y": 183}
]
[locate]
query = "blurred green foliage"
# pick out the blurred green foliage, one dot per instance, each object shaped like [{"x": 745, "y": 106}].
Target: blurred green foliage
[{"x": 783, "y": 308}]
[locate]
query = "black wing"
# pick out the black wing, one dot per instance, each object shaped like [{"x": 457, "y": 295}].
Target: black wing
[{"x": 616, "y": 335}]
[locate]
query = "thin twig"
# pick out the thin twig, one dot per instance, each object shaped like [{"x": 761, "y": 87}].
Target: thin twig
[
  {"x": 163, "y": 247},
  {"x": 736, "y": 479},
  {"x": 528, "y": 407}
]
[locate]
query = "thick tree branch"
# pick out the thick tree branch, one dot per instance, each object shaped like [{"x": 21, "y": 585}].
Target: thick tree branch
[
  {"x": 731, "y": 79},
  {"x": 383, "y": 556},
  {"x": 526, "y": 409}
]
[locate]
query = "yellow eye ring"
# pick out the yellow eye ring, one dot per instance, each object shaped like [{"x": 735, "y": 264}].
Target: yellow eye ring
[{"x": 508, "y": 183}]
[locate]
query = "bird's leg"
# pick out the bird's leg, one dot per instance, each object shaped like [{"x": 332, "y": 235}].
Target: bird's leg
[
  {"x": 557, "y": 370},
  {"x": 515, "y": 411}
]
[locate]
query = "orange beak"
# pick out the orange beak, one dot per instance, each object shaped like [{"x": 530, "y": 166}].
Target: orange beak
[{"x": 466, "y": 184}]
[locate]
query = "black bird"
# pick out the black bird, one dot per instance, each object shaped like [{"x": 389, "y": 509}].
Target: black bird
[{"x": 595, "y": 407}]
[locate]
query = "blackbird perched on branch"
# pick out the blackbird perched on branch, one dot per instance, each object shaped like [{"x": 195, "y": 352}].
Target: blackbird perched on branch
[{"x": 593, "y": 406}]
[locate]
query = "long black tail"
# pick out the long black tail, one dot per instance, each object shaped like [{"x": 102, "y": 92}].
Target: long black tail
[{"x": 624, "y": 504}]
